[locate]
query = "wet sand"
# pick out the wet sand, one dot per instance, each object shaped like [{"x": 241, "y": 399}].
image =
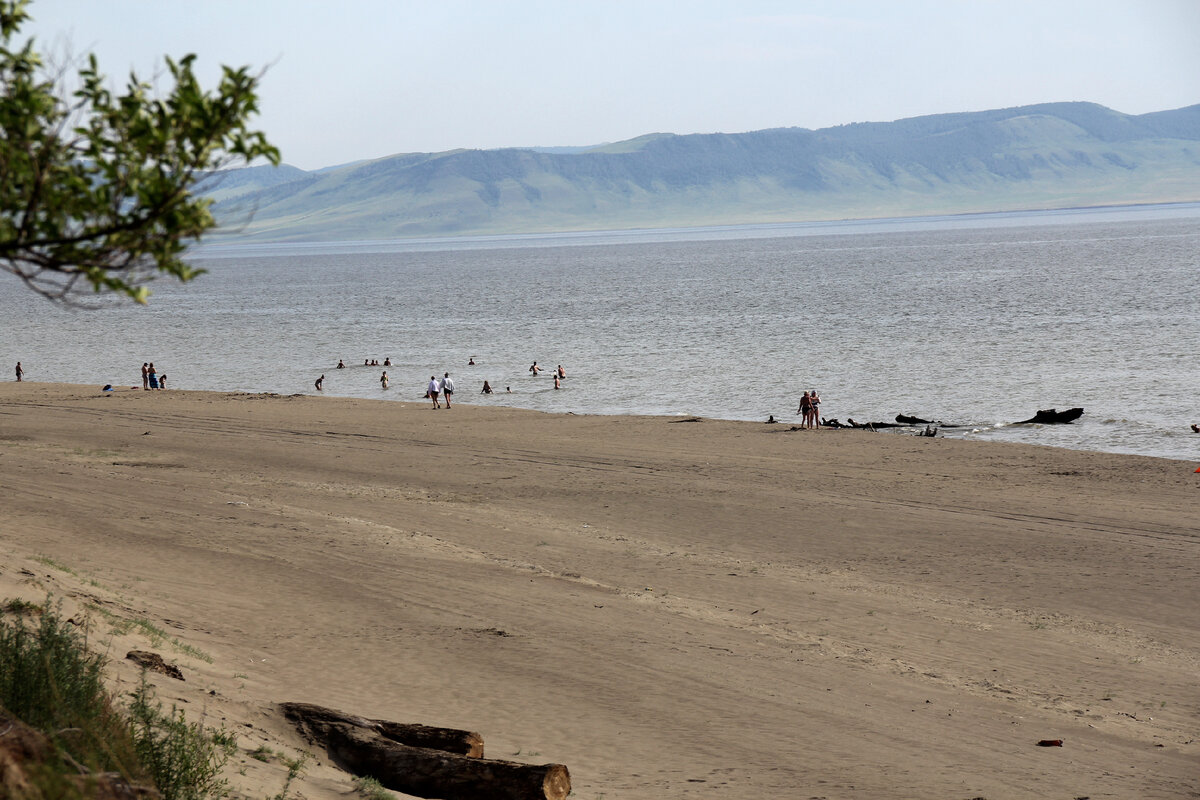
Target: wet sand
[{"x": 672, "y": 609}]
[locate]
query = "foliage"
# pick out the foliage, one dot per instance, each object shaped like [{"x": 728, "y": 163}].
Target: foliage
[
  {"x": 95, "y": 186},
  {"x": 184, "y": 759},
  {"x": 371, "y": 789},
  {"x": 51, "y": 681}
]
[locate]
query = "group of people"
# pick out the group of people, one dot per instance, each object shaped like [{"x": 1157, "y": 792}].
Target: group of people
[
  {"x": 367, "y": 362},
  {"x": 439, "y": 386},
  {"x": 810, "y": 408},
  {"x": 441, "y": 389},
  {"x": 150, "y": 377},
  {"x": 559, "y": 374}
]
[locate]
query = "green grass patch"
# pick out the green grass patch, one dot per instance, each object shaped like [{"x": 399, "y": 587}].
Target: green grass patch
[
  {"x": 52, "y": 682},
  {"x": 154, "y": 634},
  {"x": 58, "y": 565},
  {"x": 371, "y": 789}
]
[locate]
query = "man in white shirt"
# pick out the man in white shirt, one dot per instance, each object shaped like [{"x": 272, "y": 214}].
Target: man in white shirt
[{"x": 447, "y": 388}]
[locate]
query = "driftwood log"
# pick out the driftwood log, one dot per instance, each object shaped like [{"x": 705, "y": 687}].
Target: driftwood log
[
  {"x": 373, "y": 748},
  {"x": 309, "y": 718},
  {"x": 155, "y": 662},
  {"x": 1052, "y": 416}
]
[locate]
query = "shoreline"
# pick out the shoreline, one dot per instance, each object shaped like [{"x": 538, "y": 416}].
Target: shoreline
[
  {"x": 783, "y": 424},
  {"x": 665, "y": 607}
]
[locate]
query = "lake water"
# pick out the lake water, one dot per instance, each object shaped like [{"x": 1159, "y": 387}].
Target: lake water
[{"x": 979, "y": 320}]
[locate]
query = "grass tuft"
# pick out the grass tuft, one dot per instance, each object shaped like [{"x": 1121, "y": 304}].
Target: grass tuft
[{"x": 52, "y": 682}]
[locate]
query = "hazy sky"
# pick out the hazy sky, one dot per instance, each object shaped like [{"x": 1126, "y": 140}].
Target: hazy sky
[{"x": 368, "y": 78}]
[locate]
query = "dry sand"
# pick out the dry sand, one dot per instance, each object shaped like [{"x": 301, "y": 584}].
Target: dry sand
[{"x": 672, "y": 609}]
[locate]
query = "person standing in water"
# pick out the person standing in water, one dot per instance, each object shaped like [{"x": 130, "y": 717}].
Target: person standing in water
[
  {"x": 383, "y": 379},
  {"x": 535, "y": 369},
  {"x": 20, "y": 373},
  {"x": 320, "y": 382}
]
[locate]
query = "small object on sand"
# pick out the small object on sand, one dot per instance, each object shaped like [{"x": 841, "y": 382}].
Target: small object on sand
[{"x": 1050, "y": 743}]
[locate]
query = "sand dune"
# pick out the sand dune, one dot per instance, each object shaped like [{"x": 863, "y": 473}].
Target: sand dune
[{"x": 671, "y": 609}]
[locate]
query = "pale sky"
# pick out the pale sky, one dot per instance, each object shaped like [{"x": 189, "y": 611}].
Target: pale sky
[{"x": 360, "y": 79}]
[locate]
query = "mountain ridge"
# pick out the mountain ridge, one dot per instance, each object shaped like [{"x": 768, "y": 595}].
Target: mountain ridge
[{"x": 1048, "y": 155}]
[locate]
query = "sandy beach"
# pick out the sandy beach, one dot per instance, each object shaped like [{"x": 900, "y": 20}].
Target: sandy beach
[{"x": 671, "y": 608}]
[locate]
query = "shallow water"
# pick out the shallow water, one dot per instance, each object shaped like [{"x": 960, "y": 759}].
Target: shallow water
[{"x": 978, "y": 320}]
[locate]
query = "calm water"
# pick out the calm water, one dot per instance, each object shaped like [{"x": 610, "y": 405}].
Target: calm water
[{"x": 979, "y": 320}]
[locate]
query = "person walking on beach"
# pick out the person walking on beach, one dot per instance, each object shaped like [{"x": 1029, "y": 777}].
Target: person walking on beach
[
  {"x": 815, "y": 402},
  {"x": 447, "y": 388},
  {"x": 435, "y": 388},
  {"x": 20, "y": 373},
  {"x": 320, "y": 381},
  {"x": 805, "y": 409},
  {"x": 383, "y": 379},
  {"x": 145, "y": 376},
  {"x": 152, "y": 374}
]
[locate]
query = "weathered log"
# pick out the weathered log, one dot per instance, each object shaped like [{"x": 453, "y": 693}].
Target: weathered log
[
  {"x": 425, "y": 772},
  {"x": 904, "y": 419},
  {"x": 1052, "y": 416},
  {"x": 873, "y": 425},
  {"x": 155, "y": 662},
  {"x": 359, "y": 746},
  {"x": 308, "y": 718}
]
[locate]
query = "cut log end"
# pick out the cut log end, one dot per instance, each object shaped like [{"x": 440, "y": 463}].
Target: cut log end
[{"x": 557, "y": 784}]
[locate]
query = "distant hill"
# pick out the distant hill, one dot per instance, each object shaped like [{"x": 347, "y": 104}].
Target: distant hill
[{"x": 1052, "y": 155}]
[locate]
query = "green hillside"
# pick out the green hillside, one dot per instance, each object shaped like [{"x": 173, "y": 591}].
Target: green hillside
[{"x": 1044, "y": 156}]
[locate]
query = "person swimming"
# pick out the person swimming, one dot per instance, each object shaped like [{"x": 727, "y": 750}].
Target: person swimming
[{"x": 487, "y": 388}]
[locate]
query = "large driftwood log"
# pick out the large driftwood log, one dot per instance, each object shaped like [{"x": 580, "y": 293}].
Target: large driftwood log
[
  {"x": 309, "y": 718},
  {"x": 1052, "y": 416},
  {"x": 359, "y": 745}
]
